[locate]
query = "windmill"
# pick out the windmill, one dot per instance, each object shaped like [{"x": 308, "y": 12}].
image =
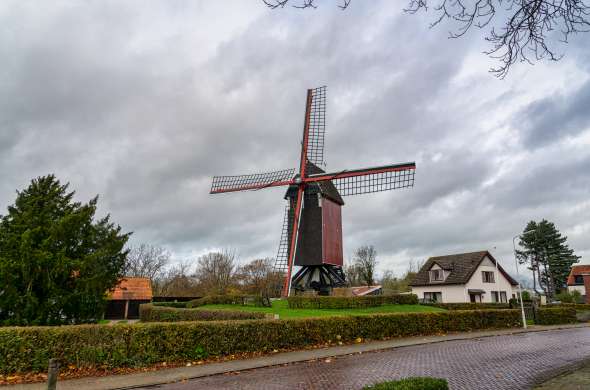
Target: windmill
[{"x": 311, "y": 237}]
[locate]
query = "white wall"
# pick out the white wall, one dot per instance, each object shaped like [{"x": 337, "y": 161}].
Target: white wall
[
  {"x": 453, "y": 293},
  {"x": 581, "y": 289},
  {"x": 500, "y": 282}
]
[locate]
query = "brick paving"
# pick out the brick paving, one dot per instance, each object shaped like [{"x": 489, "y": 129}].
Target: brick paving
[{"x": 502, "y": 362}]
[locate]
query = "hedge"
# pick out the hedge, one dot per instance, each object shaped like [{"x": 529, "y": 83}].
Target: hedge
[
  {"x": 150, "y": 313},
  {"x": 180, "y": 305},
  {"x": 469, "y": 306},
  {"x": 27, "y": 349},
  {"x": 350, "y": 302},
  {"x": 415, "y": 383},
  {"x": 230, "y": 299},
  {"x": 556, "y": 315}
]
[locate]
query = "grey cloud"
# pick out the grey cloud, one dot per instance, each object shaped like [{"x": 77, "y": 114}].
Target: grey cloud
[{"x": 144, "y": 107}]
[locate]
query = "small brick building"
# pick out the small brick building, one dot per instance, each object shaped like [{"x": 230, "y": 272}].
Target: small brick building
[
  {"x": 579, "y": 280},
  {"x": 125, "y": 298}
]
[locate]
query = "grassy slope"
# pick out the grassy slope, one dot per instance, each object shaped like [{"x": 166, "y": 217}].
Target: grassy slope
[{"x": 281, "y": 308}]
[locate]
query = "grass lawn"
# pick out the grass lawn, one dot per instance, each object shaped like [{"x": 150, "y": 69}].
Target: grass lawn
[{"x": 281, "y": 308}]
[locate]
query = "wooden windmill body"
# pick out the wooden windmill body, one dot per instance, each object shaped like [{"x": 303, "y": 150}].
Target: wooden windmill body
[{"x": 312, "y": 227}]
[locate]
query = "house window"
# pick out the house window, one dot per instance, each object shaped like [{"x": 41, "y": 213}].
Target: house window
[
  {"x": 433, "y": 297},
  {"x": 487, "y": 276},
  {"x": 494, "y": 296},
  {"x": 436, "y": 275},
  {"x": 578, "y": 279},
  {"x": 503, "y": 297}
]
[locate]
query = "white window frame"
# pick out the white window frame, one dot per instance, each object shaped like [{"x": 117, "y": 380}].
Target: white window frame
[
  {"x": 440, "y": 272},
  {"x": 490, "y": 280}
]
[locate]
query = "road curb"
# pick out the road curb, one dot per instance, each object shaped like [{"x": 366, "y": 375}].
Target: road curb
[{"x": 159, "y": 377}]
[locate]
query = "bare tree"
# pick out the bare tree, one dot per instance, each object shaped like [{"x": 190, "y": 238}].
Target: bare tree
[
  {"x": 215, "y": 271},
  {"x": 259, "y": 277},
  {"x": 147, "y": 261},
  {"x": 177, "y": 282},
  {"x": 519, "y": 30},
  {"x": 365, "y": 262}
]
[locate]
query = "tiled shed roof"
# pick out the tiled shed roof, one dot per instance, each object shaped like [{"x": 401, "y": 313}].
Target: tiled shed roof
[{"x": 132, "y": 289}]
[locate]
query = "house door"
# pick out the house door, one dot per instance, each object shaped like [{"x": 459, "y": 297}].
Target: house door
[{"x": 472, "y": 298}]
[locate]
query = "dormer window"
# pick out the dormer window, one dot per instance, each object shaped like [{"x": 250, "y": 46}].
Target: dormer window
[{"x": 436, "y": 275}]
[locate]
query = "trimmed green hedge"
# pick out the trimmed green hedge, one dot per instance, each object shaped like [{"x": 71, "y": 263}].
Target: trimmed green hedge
[
  {"x": 150, "y": 313},
  {"x": 180, "y": 305},
  {"x": 231, "y": 299},
  {"x": 556, "y": 315},
  {"x": 469, "y": 306},
  {"x": 350, "y": 302},
  {"x": 26, "y": 349},
  {"x": 415, "y": 383}
]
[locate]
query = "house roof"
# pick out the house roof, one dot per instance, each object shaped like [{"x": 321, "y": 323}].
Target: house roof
[
  {"x": 461, "y": 267},
  {"x": 132, "y": 289},
  {"x": 583, "y": 269},
  {"x": 364, "y": 290}
]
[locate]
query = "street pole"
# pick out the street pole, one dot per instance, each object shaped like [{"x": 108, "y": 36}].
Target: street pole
[{"x": 518, "y": 276}]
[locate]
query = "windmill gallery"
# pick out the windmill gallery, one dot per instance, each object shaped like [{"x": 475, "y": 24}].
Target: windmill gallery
[{"x": 312, "y": 228}]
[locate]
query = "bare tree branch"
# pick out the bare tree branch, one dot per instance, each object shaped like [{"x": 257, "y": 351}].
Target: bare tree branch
[
  {"x": 273, "y": 4},
  {"x": 525, "y": 36}
]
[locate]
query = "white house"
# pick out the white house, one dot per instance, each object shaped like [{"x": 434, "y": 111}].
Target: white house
[{"x": 464, "y": 277}]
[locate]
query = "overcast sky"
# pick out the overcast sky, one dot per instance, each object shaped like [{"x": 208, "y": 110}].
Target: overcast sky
[{"x": 143, "y": 102}]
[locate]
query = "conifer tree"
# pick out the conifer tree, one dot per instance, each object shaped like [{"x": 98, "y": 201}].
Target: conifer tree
[
  {"x": 56, "y": 261},
  {"x": 547, "y": 255}
]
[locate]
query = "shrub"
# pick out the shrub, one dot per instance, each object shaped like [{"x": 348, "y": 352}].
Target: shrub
[
  {"x": 150, "y": 313},
  {"x": 298, "y": 302},
  {"x": 26, "y": 349},
  {"x": 414, "y": 383},
  {"x": 567, "y": 297},
  {"x": 230, "y": 299},
  {"x": 470, "y": 306},
  {"x": 556, "y": 315},
  {"x": 181, "y": 305}
]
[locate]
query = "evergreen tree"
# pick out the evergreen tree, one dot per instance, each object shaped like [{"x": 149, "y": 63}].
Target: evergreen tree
[
  {"x": 547, "y": 255},
  {"x": 56, "y": 262}
]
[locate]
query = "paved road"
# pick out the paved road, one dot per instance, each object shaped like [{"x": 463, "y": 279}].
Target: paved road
[{"x": 501, "y": 362}]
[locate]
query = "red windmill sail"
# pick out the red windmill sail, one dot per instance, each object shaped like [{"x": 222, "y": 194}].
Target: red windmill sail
[{"x": 312, "y": 230}]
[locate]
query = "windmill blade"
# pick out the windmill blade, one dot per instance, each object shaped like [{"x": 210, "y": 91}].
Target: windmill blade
[
  {"x": 368, "y": 180},
  {"x": 317, "y": 126},
  {"x": 293, "y": 240},
  {"x": 282, "y": 258},
  {"x": 251, "y": 182}
]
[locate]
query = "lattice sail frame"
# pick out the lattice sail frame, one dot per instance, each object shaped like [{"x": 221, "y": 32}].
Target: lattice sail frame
[
  {"x": 377, "y": 182},
  {"x": 251, "y": 182},
  {"x": 282, "y": 259},
  {"x": 317, "y": 127}
]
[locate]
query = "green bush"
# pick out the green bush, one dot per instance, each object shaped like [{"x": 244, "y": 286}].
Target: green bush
[
  {"x": 556, "y": 315},
  {"x": 230, "y": 299},
  {"x": 26, "y": 349},
  {"x": 414, "y": 383},
  {"x": 297, "y": 302},
  {"x": 150, "y": 313},
  {"x": 469, "y": 306},
  {"x": 181, "y": 305},
  {"x": 567, "y": 297}
]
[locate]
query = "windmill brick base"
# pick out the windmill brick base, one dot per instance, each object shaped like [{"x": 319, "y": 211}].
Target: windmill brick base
[{"x": 312, "y": 229}]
